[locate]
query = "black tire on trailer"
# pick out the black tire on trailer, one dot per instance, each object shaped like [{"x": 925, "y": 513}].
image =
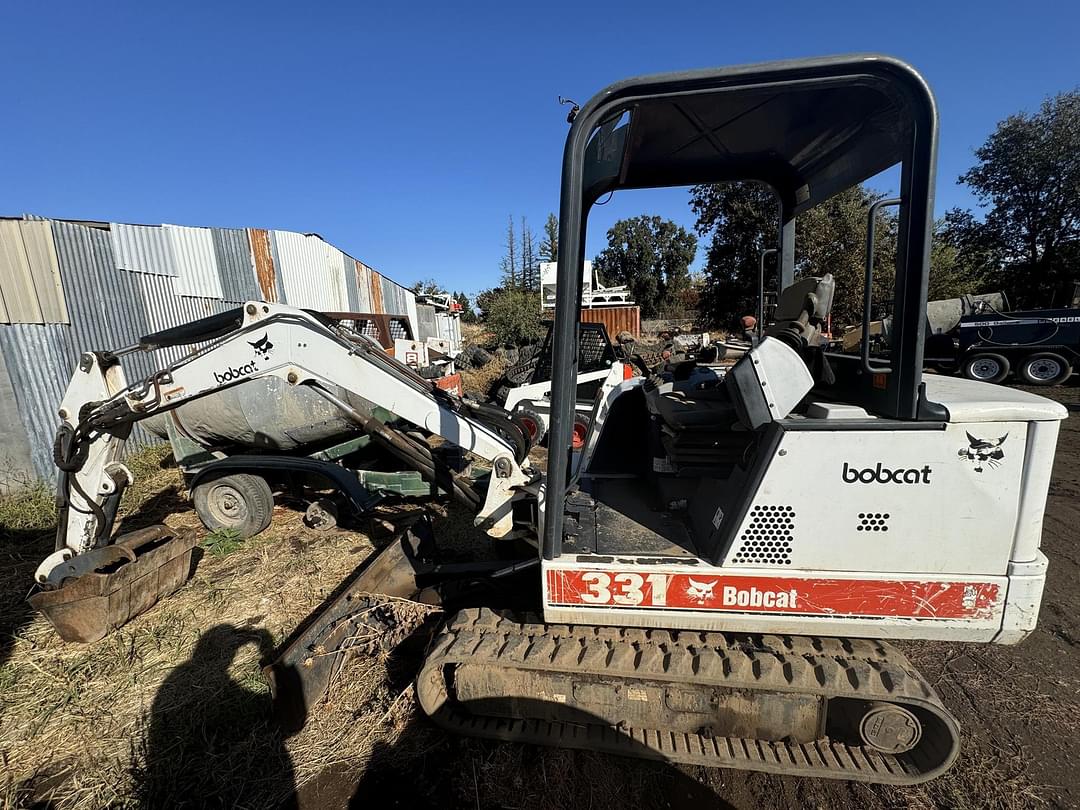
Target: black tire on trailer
[
  {"x": 534, "y": 423},
  {"x": 986, "y": 367},
  {"x": 1044, "y": 368},
  {"x": 242, "y": 502}
]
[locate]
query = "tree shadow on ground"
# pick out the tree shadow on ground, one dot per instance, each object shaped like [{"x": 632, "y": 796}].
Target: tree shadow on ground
[{"x": 212, "y": 741}]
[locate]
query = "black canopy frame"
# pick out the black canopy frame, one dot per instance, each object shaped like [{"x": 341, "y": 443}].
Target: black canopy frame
[{"x": 809, "y": 129}]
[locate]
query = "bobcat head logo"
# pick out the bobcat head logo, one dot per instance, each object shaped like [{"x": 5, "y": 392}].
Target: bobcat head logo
[
  {"x": 700, "y": 592},
  {"x": 983, "y": 452},
  {"x": 262, "y": 347}
]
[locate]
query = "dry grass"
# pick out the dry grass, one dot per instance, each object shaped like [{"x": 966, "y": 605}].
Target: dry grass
[
  {"x": 476, "y": 382},
  {"x": 172, "y": 708}
]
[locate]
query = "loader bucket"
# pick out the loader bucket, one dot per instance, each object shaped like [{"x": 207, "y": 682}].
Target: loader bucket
[{"x": 155, "y": 562}]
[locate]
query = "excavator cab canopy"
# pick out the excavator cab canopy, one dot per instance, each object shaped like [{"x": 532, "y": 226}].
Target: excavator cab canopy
[{"x": 808, "y": 129}]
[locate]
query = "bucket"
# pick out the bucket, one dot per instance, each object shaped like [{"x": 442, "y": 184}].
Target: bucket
[{"x": 87, "y": 607}]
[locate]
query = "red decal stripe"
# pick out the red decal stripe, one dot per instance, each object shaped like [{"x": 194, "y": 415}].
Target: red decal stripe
[{"x": 756, "y": 594}]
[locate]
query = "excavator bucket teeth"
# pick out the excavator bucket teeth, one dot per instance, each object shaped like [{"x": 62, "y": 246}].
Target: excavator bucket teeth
[{"x": 115, "y": 583}]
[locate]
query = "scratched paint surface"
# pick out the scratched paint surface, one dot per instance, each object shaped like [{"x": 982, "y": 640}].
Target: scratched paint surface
[{"x": 828, "y": 597}]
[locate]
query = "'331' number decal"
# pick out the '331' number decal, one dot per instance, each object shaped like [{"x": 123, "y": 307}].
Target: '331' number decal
[{"x": 624, "y": 589}]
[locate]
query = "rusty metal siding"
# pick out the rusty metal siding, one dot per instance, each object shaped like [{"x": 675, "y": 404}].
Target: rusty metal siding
[
  {"x": 311, "y": 271},
  {"x": 16, "y": 458},
  {"x": 362, "y": 279},
  {"x": 120, "y": 282},
  {"x": 348, "y": 270},
  {"x": 143, "y": 249},
  {"x": 39, "y": 360},
  {"x": 235, "y": 264},
  {"x": 106, "y": 305},
  {"x": 393, "y": 298},
  {"x": 30, "y": 285},
  {"x": 376, "y": 293},
  {"x": 196, "y": 262},
  {"x": 615, "y": 319},
  {"x": 265, "y": 272}
]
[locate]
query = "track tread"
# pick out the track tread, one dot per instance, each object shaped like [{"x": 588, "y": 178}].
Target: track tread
[{"x": 832, "y": 667}]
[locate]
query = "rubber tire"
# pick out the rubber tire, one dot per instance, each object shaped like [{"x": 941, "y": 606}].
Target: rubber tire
[
  {"x": 1024, "y": 371},
  {"x": 528, "y": 415},
  {"x": 580, "y": 421},
  {"x": 1003, "y": 367},
  {"x": 254, "y": 495}
]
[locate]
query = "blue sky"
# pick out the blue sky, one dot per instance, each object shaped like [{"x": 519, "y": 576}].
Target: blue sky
[{"x": 406, "y": 134}]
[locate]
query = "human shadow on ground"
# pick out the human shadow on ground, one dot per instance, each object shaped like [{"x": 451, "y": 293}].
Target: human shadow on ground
[
  {"x": 212, "y": 741},
  {"x": 425, "y": 768}
]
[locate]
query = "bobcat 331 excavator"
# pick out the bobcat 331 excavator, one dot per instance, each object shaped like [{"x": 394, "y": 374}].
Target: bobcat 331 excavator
[{"x": 715, "y": 577}]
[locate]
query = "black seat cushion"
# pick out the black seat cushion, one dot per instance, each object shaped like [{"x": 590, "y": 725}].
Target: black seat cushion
[{"x": 693, "y": 410}]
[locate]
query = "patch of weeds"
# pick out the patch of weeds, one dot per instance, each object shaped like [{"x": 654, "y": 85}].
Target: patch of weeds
[
  {"x": 8, "y": 676},
  {"x": 223, "y": 541},
  {"x": 28, "y": 509}
]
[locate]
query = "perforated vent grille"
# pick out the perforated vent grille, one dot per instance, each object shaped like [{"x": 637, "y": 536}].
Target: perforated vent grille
[{"x": 768, "y": 537}]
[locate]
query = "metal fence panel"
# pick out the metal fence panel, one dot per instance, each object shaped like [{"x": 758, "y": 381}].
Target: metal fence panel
[
  {"x": 235, "y": 264},
  {"x": 117, "y": 284},
  {"x": 143, "y": 249},
  {"x": 348, "y": 274},
  {"x": 262, "y": 250},
  {"x": 196, "y": 262},
  {"x": 307, "y": 271},
  {"x": 30, "y": 285},
  {"x": 39, "y": 359}
]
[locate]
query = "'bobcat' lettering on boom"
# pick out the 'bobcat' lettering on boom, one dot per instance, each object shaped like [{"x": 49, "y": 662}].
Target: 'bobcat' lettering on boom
[
  {"x": 882, "y": 475},
  {"x": 235, "y": 373}
]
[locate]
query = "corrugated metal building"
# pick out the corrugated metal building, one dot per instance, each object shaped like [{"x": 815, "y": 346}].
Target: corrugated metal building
[{"x": 67, "y": 286}]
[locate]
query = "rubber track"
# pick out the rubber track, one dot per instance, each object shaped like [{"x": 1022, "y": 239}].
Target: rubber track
[{"x": 833, "y": 667}]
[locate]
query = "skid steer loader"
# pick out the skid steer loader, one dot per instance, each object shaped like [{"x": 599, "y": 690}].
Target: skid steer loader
[{"x": 715, "y": 577}]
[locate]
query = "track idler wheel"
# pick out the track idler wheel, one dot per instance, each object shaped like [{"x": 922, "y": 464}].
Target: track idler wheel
[{"x": 889, "y": 728}]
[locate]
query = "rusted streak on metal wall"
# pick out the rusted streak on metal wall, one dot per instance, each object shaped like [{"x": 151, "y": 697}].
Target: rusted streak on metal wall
[
  {"x": 264, "y": 263},
  {"x": 376, "y": 293},
  {"x": 363, "y": 286}
]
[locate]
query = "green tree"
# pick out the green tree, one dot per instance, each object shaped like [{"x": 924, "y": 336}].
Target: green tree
[
  {"x": 530, "y": 268},
  {"x": 1028, "y": 177},
  {"x": 549, "y": 248},
  {"x": 518, "y": 266},
  {"x": 484, "y": 300},
  {"x": 513, "y": 316},
  {"x": 652, "y": 257},
  {"x": 468, "y": 315},
  {"x": 962, "y": 260},
  {"x": 508, "y": 265},
  {"x": 428, "y": 286},
  {"x": 743, "y": 220}
]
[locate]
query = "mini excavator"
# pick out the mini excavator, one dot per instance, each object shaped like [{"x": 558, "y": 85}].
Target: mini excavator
[{"x": 715, "y": 577}]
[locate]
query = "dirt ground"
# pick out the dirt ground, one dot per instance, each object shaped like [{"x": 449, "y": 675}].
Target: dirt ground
[{"x": 171, "y": 710}]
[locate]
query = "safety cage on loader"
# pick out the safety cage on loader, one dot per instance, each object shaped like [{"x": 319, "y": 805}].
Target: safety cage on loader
[{"x": 808, "y": 129}]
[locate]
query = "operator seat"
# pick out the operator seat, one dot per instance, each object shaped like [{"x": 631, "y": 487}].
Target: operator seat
[
  {"x": 785, "y": 356},
  {"x": 765, "y": 385},
  {"x": 802, "y": 310}
]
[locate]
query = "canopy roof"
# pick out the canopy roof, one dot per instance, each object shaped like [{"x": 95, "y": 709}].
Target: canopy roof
[{"x": 808, "y": 133}]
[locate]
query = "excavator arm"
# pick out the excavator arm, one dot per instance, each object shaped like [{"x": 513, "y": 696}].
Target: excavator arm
[{"x": 262, "y": 340}]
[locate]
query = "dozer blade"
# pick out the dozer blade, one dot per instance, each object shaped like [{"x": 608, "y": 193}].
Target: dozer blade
[
  {"x": 822, "y": 707},
  {"x": 111, "y": 585},
  {"x": 300, "y": 675}
]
